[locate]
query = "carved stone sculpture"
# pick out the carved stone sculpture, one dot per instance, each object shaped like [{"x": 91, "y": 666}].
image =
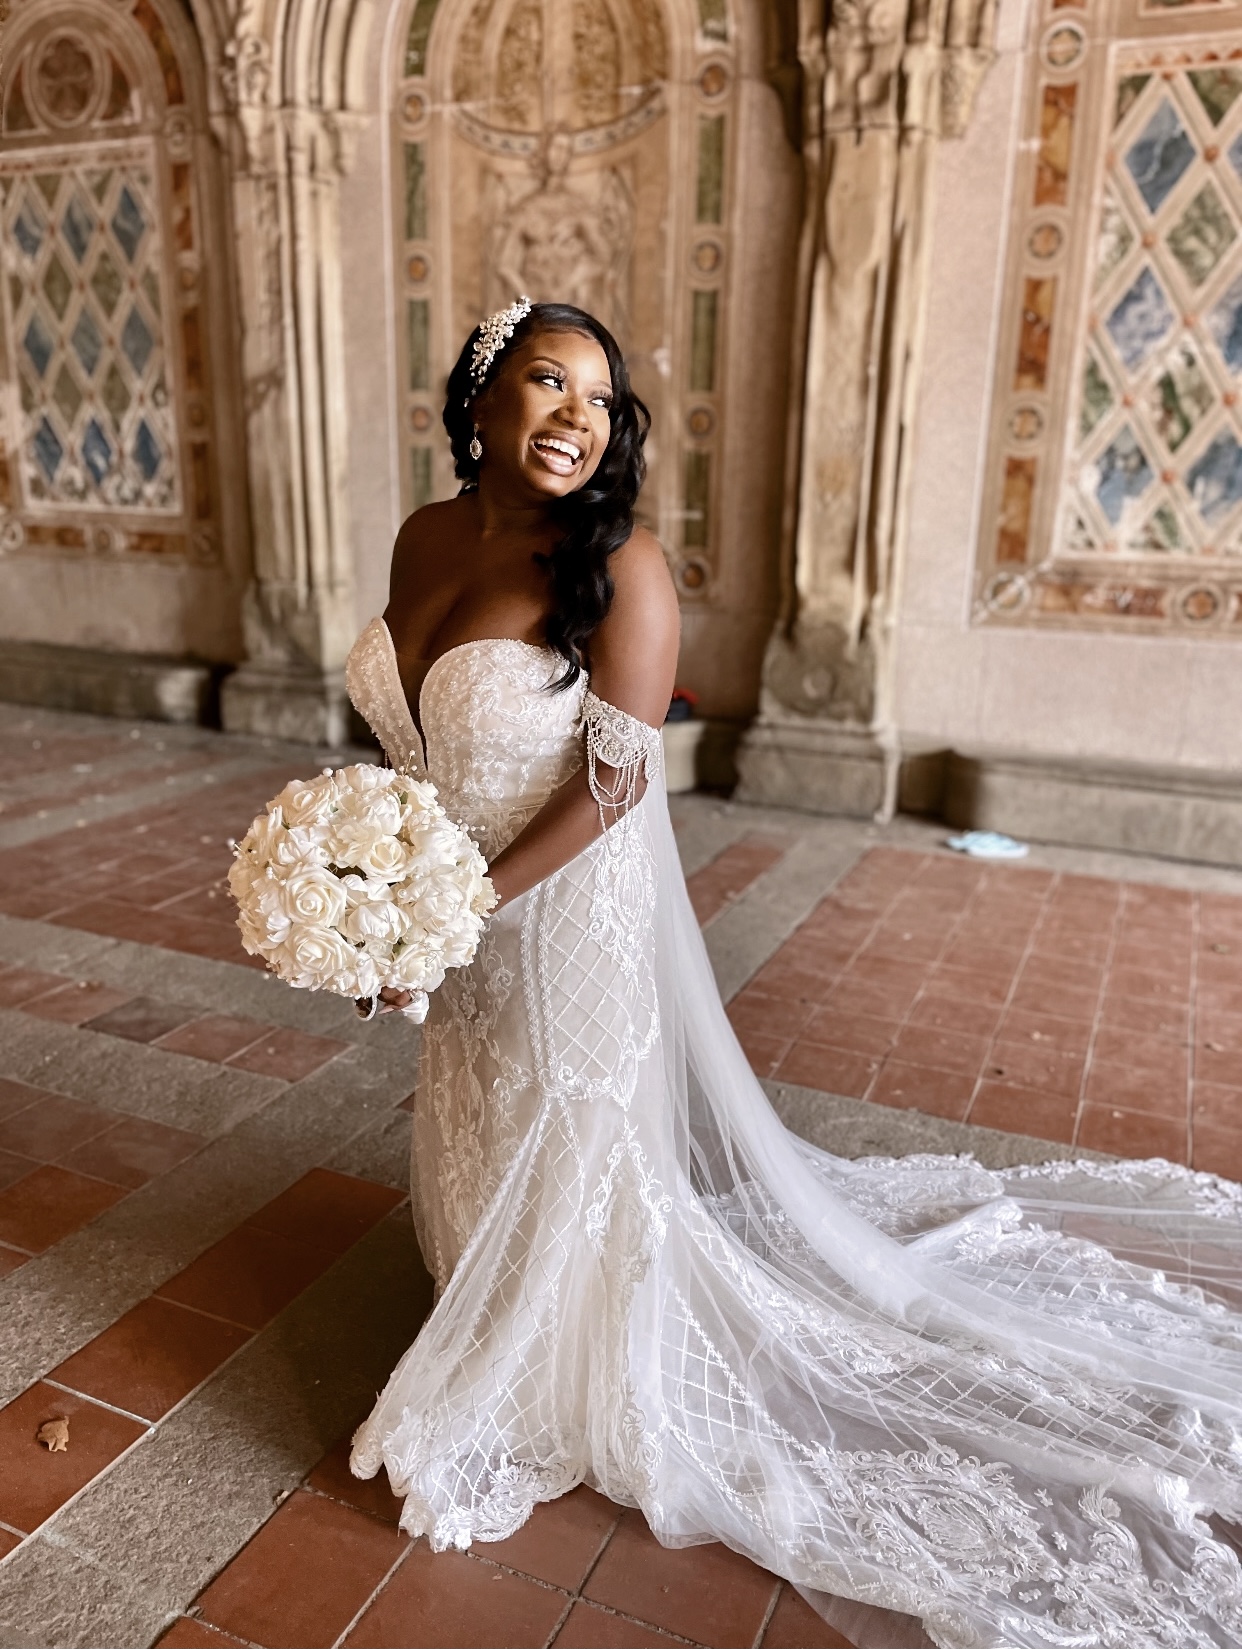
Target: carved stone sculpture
[{"x": 883, "y": 80}]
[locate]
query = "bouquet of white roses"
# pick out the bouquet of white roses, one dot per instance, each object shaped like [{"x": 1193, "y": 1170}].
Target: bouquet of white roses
[{"x": 357, "y": 880}]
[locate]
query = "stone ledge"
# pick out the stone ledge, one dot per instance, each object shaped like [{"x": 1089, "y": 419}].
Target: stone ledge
[
  {"x": 1176, "y": 813},
  {"x": 814, "y": 767},
  {"x": 145, "y": 686}
]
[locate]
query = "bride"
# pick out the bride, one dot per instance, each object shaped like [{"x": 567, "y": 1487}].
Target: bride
[{"x": 1007, "y": 1404}]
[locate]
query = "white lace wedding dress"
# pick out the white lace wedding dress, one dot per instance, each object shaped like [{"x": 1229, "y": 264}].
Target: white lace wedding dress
[{"x": 1005, "y": 1403}]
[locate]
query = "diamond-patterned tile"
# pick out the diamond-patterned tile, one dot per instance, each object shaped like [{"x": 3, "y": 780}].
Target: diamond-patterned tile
[
  {"x": 1202, "y": 235},
  {"x": 48, "y": 449},
  {"x": 136, "y": 341},
  {"x": 1180, "y": 396},
  {"x": 77, "y": 226},
  {"x": 28, "y": 229},
  {"x": 86, "y": 341},
  {"x": 106, "y": 282},
  {"x": 128, "y": 223},
  {"x": 1225, "y": 324},
  {"x": 147, "y": 454},
  {"x": 38, "y": 343},
  {"x": 1159, "y": 156},
  {"x": 1141, "y": 319},
  {"x": 57, "y": 286},
  {"x": 1122, "y": 474},
  {"x": 1217, "y": 88},
  {"x": 1215, "y": 479}
]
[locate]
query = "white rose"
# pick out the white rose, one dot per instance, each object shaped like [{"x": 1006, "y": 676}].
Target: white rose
[
  {"x": 385, "y": 856},
  {"x": 439, "y": 905},
  {"x": 418, "y": 798},
  {"x": 306, "y": 801},
  {"x": 318, "y": 958},
  {"x": 314, "y": 897},
  {"x": 436, "y": 840},
  {"x": 366, "y": 778},
  {"x": 267, "y": 909},
  {"x": 414, "y": 970},
  {"x": 377, "y": 926}
]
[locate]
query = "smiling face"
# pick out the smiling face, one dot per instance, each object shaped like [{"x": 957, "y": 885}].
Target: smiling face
[{"x": 544, "y": 421}]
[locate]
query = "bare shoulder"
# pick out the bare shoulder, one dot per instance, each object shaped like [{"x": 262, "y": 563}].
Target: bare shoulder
[
  {"x": 642, "y": 582},
  {"x": 426, "y": 538},
  {"x": 634, "y": 651}
]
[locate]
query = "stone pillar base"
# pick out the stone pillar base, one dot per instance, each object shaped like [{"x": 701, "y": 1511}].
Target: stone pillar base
[
  {"x": 279, "y": 704},
  {"x": 143, "y": 686},
  {"x": 814, "y": 767}
]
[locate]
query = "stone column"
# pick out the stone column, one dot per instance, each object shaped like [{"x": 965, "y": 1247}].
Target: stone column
[
  {"x": 883, "y": 80},
  {"x": 287, "y": 156}
]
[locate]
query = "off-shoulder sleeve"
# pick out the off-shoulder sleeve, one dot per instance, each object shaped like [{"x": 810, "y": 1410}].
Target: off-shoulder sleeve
[
  {"x": 630, "y": 748},
  {"x": 374, "y": 687}
]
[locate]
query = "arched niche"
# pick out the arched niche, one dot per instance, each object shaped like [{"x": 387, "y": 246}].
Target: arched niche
[
  {"x": 113, "y": 332},
  {"x": 615, "y": 154}
]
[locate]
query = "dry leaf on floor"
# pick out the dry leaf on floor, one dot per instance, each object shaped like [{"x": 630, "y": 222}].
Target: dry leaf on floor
[{"x": 54, "y": 1435}]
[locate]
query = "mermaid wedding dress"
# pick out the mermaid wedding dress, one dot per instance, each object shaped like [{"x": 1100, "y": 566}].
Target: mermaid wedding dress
[{"x": 1008, "y": 1404}]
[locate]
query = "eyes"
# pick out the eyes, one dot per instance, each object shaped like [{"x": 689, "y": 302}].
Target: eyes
[{"x": 545, "y": 375}]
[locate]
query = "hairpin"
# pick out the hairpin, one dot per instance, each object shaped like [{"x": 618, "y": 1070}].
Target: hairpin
[{"x": 494, "y": 333}]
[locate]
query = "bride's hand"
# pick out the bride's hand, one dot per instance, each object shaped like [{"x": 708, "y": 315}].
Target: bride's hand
[{"x": 391, "y": 1001}]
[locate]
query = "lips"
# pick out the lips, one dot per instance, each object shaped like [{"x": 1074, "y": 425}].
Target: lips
[{"x": 558, "y": 453}]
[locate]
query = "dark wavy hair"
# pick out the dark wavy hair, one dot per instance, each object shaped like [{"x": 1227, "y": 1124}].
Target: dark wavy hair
[{"x": 598, "y": 518}]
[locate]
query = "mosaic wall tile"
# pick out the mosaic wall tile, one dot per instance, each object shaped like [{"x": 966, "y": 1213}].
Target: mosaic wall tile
[
  {"x": 1034, "y": 336},
  {"x": 1014, "y": 533},
  {"x": 1056, "y": 137},
  {"x": 1217, "y": 89},
  {"x": 1141, "y": 320},
  {"x": 1225, "y": 326},
  {"x": 418, "y": 337},
  {"x": 1162, "y": 533},
  {"x": 420, "y": 477},
  {"x": 84, "y": 317},
  {"x": 714, "y": 19},
  {"x": 703, "y": 342},
  {"x": 709, "y": 196},
  {"x": 416, "y": 39},
  {"x": 1215, "y": 481},
  {"x": 1235, "y": 154},
  {"x": 415, "y": 192},
  {"x": 1129, "y": 89},
  {"x": 1202, "y": 235},
  {"x": 695, "y": 533},
  {"x": 1097, "y": 396},
  {"x": 1122, "y": 475},
  {"x": 1115, "y": 237},
  {"x": 1179, "y": 397},
  {"x": 1159, "y": 157}
]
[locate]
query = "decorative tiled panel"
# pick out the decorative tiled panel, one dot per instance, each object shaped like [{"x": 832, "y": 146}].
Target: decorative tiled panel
[
  {"x": 108, "y": 421},
  {"x": 85, "y": 319},
  {"x": 1115, "y": 465}
]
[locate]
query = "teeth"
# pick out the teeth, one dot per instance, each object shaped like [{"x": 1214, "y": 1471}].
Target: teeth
[{"x": 569, "y": 450}]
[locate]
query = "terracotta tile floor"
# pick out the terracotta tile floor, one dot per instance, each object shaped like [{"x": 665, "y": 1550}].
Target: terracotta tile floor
[
  {"x": 157, "y": 1353},
  {"x": 1065, "y": 1006},
  {"x": 1101, "y": 1013},
  {"x": 329, "y": 1567}
]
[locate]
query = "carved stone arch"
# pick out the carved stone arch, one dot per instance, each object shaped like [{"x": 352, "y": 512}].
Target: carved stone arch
[
  {"x": 115, "y": 324},
  {"x": 610, "y": 177}
]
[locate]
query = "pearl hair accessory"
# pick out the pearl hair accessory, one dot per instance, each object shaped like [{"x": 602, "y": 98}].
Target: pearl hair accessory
[{"x": 494, "y": 333}]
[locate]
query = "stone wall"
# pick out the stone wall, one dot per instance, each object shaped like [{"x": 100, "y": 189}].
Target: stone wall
[{"x": 1043, "y": 615}]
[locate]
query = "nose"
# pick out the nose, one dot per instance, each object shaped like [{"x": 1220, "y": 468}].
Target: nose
[{"x": 572, "y": 411}]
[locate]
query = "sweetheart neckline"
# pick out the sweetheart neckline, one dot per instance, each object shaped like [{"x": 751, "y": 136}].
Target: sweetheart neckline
[{"x": 462, "y": 646}]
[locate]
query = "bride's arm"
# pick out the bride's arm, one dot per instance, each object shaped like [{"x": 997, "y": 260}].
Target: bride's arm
[{"x": 633, "y": 667}]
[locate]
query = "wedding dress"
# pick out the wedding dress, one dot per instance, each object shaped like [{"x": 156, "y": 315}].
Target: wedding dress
[{"x": 1006, "y": 1403}]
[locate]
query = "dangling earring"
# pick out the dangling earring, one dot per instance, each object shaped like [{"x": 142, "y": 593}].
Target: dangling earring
[{"x": 475, "y": 448}]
